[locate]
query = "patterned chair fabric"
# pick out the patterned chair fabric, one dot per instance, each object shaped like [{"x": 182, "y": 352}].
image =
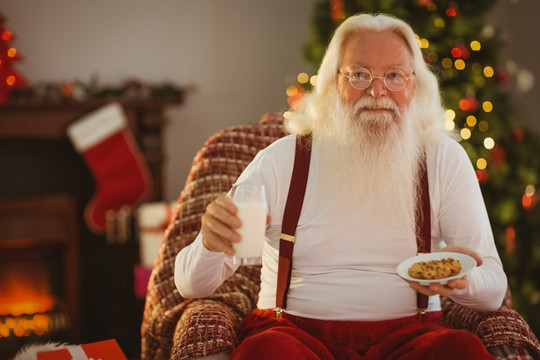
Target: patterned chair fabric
[{"x": 178, "y": 328}]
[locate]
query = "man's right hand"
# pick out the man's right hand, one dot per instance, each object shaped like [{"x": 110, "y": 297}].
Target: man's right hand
[{"x": 218, "y": 224}]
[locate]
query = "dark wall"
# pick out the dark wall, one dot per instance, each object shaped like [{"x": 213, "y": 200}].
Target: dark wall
[{"x": 517, "y": 21}]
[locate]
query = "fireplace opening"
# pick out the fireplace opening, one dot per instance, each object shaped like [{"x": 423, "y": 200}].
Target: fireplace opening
[
  {"x": 30, "y": 293},
  {"x": 39, "y": 272}
]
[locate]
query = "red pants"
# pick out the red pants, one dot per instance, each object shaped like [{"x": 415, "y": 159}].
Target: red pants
[{"x": 263, "y": 336}]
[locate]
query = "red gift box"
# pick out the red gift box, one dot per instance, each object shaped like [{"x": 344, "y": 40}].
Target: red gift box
[{"x": 101, "y": 350}]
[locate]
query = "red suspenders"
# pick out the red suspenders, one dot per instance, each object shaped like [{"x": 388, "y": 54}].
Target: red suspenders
[
  {"x": 293, "y": 206},
  {"x": 423, "y": 228},
  {"x": 295, "y": 199}
]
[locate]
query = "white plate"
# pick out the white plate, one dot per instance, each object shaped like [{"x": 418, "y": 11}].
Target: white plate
[{"x": 467, "y": 264}]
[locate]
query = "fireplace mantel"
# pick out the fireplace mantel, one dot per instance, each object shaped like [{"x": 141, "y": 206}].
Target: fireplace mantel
[{"x": 50, "y": 121}]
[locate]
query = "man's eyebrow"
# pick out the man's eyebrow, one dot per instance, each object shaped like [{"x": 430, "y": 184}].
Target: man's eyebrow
[{"x": 357, "y": 66}]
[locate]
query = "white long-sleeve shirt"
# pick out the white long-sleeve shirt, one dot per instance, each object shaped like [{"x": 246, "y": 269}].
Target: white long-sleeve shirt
[{"x": 345, "y": 256}]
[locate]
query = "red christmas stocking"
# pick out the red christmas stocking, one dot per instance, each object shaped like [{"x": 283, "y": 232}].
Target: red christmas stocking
[{"x": 120, "y": 170}]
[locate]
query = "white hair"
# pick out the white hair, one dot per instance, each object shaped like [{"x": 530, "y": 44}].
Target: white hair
[{"x": 427, "y": 94}]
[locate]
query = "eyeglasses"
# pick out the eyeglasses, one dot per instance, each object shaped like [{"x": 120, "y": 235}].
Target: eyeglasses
[{"x": 361, "y": 79}]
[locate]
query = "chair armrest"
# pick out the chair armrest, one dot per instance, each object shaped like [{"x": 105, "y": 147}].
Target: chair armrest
[
  {"x": 498, "y": 330},
  {"x": 206, "y": 327},
  {"x": 506, "y": 327}
]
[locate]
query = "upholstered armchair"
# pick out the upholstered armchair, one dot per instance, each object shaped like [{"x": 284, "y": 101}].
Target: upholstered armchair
[{"x": 178, "y": 328}]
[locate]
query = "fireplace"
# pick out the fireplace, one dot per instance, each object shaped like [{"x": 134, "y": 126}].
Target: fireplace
[
  {"x": 39, "y": 268},
  {"x": 44, "y": 188}
]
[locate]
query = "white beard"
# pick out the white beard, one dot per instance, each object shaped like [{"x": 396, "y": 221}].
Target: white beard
[{"x": 366, "y": 155}]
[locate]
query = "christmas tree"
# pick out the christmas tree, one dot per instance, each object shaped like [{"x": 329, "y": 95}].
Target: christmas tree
[
  {"x": 9, "y": 78},
  {"x": 463, "y": 51}
]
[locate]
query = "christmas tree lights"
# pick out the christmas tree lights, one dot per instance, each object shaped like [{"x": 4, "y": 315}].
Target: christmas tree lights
[{"x": 9, "y": 78}]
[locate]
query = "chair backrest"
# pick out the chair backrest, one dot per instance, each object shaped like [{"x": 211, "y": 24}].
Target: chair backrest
[{"x": 215, "y": 168}]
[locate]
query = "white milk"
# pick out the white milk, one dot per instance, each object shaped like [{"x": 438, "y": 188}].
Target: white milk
[{"x": 253, "y": 216}]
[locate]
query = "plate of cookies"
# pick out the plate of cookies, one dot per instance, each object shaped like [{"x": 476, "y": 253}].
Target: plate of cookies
[{"x": 437, "y": 267}]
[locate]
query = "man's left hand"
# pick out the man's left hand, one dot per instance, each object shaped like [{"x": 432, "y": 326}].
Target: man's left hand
[{"x": 438, "y": 288}]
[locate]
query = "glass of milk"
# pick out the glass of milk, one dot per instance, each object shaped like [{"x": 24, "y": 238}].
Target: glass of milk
[{"x": 250, "y": 199}]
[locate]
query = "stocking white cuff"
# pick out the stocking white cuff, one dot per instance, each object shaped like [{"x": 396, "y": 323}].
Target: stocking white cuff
[{"x": 96, "y": 126}]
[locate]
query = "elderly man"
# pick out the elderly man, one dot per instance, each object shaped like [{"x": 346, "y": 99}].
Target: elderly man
[{"x": 376, "y": 122}]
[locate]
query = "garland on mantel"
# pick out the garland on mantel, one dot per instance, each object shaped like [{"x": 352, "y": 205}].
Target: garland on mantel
[{"x": 75, "y": 91}]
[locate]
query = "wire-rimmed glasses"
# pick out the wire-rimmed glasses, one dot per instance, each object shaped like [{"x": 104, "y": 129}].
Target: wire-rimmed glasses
[{"x": 394, "y": 80}]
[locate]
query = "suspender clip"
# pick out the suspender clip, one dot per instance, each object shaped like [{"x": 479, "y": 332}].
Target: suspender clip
[{"x": 287, "y": 237}]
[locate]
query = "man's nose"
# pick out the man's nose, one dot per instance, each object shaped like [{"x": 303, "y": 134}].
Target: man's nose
[{"x": 377, "y": 87}]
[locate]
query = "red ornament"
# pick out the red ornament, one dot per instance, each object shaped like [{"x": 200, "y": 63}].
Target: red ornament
[
  {"x": 529, "y": 201},
  {"x": 518, "y": 133},
  {"x": 482, "y": 176},
  {"x": 452, "y": 10},
  {"x": 470, "y": 103},
  {"x": 7, "y": 35},
  {"x": 510, "y": 239},
  {"x": 502, "y": 76},
  {"x": 473, "y": 104},
  {"x": 67, "y": 89},
  {"x": 498, "y": 155},
  {"x": 464, "y": 104},
  {"x": 460, "y": 51},
  {"x": 465, "y": 53},
  {"x": 456, "y": 52},
  {"x": 337, "y": 12}
]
